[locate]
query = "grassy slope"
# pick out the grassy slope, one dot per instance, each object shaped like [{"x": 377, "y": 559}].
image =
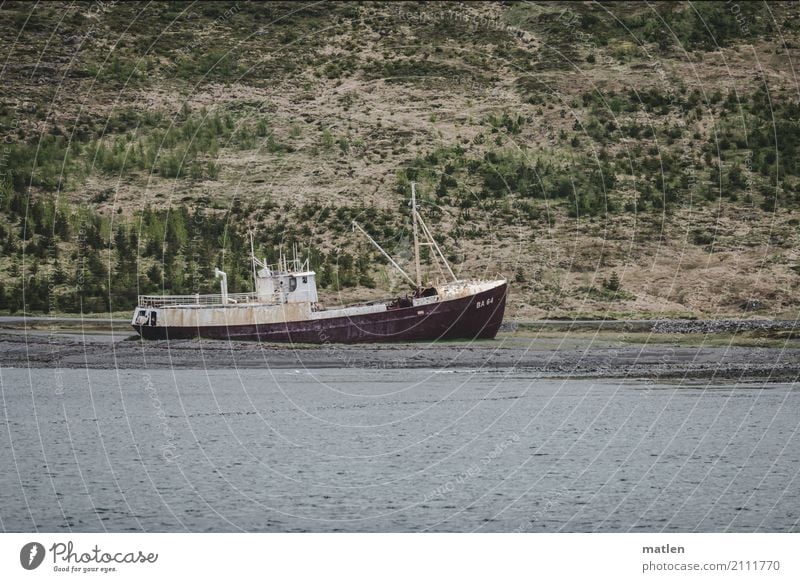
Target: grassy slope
[{"x": 326, "y": 105}]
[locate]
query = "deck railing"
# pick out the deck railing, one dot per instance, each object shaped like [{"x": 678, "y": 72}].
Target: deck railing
[{"x": 185, "y": 300}]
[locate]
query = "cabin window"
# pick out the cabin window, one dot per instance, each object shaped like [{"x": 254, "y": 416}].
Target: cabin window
[
  {"x": 142, "y": 312},
  {"x": 152, "y": 318},
  {"x": 292, "y": 284},
  {"x": 305, "y": 279}
]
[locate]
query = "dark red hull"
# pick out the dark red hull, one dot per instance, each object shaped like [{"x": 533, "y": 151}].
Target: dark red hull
[{"x": 476, "y": 316}]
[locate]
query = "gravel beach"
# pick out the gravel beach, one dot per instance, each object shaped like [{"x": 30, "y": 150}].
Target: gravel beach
[{"x": 564, "y": 350}]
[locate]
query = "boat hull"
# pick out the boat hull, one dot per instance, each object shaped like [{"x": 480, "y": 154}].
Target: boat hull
[{"x": 475, "y": 316}]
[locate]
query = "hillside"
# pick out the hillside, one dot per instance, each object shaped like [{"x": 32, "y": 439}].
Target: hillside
[{"x": 609, "y": 159}]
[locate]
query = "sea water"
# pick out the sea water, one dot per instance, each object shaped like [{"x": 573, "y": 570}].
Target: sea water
[{"x": 393, "y": 450}]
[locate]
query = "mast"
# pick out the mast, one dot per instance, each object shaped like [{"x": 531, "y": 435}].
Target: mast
[
  {"x": 419, "y": 224},
  {"x": 416, "y": 237},
  {"x": 432, "y": 242}
]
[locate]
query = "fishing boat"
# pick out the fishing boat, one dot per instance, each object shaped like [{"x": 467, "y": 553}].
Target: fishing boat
[{"x": 285, "y": 306}]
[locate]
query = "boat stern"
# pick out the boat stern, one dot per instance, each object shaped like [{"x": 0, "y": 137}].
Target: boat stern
[{"x": 145, "y": 319}]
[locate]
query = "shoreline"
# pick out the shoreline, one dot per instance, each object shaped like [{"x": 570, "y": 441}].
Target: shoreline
[{"x": 554, "y": 355}]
